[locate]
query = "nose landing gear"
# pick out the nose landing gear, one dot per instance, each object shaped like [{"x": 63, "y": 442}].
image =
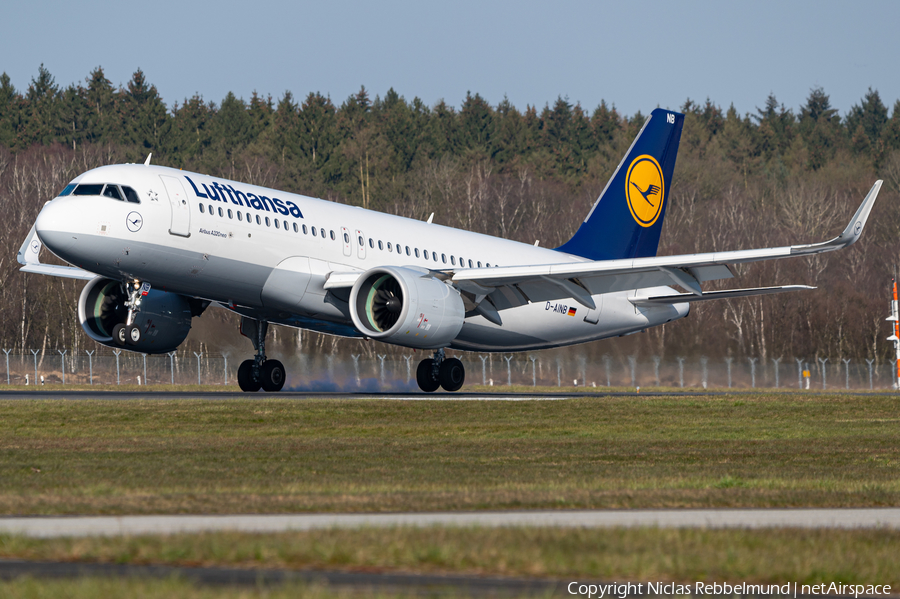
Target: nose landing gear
[
  {"x": 440, "y": 371},
  {"x": 259, "y": 372},
  {"x": 128, "y": 333}
]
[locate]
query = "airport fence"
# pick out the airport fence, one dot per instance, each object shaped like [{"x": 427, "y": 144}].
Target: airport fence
[{"x": 332, "y": 372}]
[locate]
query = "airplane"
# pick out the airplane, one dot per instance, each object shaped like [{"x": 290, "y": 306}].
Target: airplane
[{"x": 158, "y": 246}]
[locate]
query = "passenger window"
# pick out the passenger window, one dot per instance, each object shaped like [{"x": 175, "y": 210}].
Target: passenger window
[
  {"x": 417, "y": 252},
  {"x": 314, "y": 231},
  {"x": 470, "y": 263},
  {"x": 221, "y": 213},
  {"x": 296, "y": 230},
  {"x": 380, "y": 245},
  {"x": 479, "y": 264},
  {"x": 444, "y": 258},
  {"x": 333, "y": 238},
  {"x": 258, "y": 222},
  {"x": 277, "y": 226},
  {"x": 67, "y": 190},
  {"x": 90, "y": 189},
  {"x": 425, "y": 254},
  {"x": 346, "y": 238},
  {"x": 131, "y": 195},
  {"x": 488, "y": 264},
  {"x": 390, "y": 249},
  {"x": 434, "y": 256},
  {"x": 230, "y": 214},
  {"x": 452, "y": 260},
  {"x": 240, "y": 216},
  {"x": 304, "y": 229},
  {"x": 267, "y": 222},
  {"x": 371, "y": 243},
  {"x": 407, "y": 250},
  {"x": 111, "y": 191},
  {"x": 202, "y": 209},
  {"x": 361, "y": 242}
]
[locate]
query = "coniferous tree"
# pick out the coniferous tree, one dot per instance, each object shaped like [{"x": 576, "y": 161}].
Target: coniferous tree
[
  {"x": 41, "y": 110},
  {"x": 10, "y": 111},
  {"x": 144, "y": 114}
]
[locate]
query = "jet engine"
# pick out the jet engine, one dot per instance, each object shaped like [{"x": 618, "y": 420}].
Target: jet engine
[
  {"x": 406, "y": 307},
  {"x": 164, "y": 318}
]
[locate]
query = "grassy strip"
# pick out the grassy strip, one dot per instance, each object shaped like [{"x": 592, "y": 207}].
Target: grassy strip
[
  {"x": 91, "y": 588},
  {"x": 681, "y": 555},
  {"x": 277, "y": 455}
]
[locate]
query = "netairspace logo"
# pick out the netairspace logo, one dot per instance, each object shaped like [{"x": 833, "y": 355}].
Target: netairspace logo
[{"x": 623, "y": 590}]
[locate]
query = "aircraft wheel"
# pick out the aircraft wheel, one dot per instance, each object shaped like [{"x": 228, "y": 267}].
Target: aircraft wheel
[
  {"x": 132, "y": 334},
  {"x": 425, "y": 376},
  {"x": 118, "y": 335},
  {"x": 452, "y": 374},
  {"x": 272, "y": 376},
  {"x": 245, "y": 377}
]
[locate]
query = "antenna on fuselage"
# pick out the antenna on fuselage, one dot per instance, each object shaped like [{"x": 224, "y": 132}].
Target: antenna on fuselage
[
  {"x": 147, "y": 162},
  {"x": 430, "y": 218}
]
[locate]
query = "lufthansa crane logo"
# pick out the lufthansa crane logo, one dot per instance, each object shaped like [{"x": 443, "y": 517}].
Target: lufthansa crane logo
[
  {"x": 134, "y": 222},
  {"x": 645, "y": 190}
]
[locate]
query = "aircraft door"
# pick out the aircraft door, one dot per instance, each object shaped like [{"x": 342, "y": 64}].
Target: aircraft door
[
  {"x": 181, "y": 209},
  {"x": 361, "y": 245},
  {"x": 345, "y": 239}
]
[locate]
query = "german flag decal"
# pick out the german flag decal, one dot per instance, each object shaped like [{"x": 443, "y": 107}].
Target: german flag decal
[{"x": 571, "y": 311}]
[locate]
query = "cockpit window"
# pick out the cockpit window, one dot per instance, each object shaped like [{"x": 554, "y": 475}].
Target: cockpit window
[
  {"x": 88, "y": 189},
  {"x": 131, "y": 195},
  {"x": 112, "y": 191},
  {"x": 68, "y": 189}
]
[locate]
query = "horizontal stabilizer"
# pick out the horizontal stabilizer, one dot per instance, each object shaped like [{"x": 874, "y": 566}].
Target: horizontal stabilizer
[
  {"x": 680, "y": 298},
  {"x": 30, "y": 258},
  {"x": 65, "y": 272}
]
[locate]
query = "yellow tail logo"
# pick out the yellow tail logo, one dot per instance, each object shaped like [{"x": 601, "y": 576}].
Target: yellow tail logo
[{"x": 645, "y": 190}]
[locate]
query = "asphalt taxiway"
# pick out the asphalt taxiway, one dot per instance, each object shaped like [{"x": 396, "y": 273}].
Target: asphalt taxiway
[{"x": 82, "y": 526}]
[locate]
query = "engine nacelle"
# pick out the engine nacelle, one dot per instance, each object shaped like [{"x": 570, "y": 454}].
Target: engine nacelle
[
  {"x": 164, "y": 319},
  {"x": 406, "y": 307}
]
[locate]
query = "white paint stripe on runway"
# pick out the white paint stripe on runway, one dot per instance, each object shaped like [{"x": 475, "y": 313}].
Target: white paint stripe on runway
[{"x": 82, "y": 526}]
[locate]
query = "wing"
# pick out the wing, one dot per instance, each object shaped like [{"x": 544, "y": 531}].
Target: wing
[
  {"x": 514, "y": 285},
  {"x": 30, "y": 259}
]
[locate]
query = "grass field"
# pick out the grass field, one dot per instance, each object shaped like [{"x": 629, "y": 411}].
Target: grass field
[
  {"x": 682, "y": 555},
  {"x": 92, "y": 588},
  {"x": 277, "y": 455}
]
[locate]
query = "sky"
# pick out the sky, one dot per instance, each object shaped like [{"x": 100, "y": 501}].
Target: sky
[{"x": 634, "y": 55}]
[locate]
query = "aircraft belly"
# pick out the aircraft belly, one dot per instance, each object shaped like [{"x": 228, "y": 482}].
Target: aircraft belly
[{"x": 546, "y": 324}]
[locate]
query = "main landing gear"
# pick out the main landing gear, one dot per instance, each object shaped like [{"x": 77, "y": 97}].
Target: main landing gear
[
  {"x": 128, "y": 333},
  {"x": 440, "y": 371},
  {"x": 259, "y": 372}
]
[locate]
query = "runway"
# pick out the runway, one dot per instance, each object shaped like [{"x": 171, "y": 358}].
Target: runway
[
  {"x": 83, "y": 526},
  {"x": 394, "y": 396}
]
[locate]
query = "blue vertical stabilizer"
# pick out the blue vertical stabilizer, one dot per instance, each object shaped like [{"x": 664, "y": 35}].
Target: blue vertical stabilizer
[{"x": 627, "y": 218}]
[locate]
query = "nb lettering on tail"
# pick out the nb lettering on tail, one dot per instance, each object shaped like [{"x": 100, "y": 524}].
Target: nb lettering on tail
[{"x": 627, "y": 218}]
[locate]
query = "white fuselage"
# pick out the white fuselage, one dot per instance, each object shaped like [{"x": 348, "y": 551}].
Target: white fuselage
[{"x": 270, "y": 258}]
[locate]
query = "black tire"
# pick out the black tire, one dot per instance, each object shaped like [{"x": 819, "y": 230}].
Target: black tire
[
  {"x": 272, "y": 376},
  {"x": 245, "y": 377},
  {"x": 132, "y": 334},
  {"x": 425, "y": 376},
  {"x": 452, "y": 374},
  {"x": 118, "y": 334}
]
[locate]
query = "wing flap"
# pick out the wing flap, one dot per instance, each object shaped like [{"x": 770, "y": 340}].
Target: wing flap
[{"x": 679, "y": 298}]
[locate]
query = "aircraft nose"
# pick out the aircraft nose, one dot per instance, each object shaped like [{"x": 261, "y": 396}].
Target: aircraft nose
[{"x": 54, "y": 225}]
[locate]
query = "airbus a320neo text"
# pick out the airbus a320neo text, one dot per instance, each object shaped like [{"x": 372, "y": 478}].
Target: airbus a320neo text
[{"x": 158, "y": 246}]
